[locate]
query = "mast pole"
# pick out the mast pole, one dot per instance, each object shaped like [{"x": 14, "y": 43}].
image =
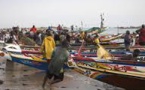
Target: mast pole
[{"x": 102, "y": 21}]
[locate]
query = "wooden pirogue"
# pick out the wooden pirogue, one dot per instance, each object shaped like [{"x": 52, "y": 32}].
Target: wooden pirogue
[
  {"x": 127, "y": 74},
  {"x": 115, "y": 72}
]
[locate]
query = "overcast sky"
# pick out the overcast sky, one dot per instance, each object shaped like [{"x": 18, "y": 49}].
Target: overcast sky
[{"x": 26, "y": 13}]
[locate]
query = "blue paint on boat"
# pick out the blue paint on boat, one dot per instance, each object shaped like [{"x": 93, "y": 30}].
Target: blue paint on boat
[
  {"x": 34, "y": 64},
  {"x": 31, "y": 63}
]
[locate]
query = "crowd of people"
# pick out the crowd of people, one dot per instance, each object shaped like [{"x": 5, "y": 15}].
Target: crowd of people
[{"x": 35, "y": 36}]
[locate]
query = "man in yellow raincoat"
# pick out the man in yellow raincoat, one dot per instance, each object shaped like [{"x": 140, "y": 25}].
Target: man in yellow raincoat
[{"x": 48, "y": 46}]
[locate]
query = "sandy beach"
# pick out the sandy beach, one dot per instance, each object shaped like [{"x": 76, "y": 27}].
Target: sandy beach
[{"x": 20, "y": 77}]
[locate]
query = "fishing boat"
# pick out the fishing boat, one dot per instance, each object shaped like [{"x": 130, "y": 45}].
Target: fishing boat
[
  {"x": 85, "y": 52},
  {"x": 29, "y": 60},
  {"x": 113, "y": 72},
  {"x": 108, "y": 38}
]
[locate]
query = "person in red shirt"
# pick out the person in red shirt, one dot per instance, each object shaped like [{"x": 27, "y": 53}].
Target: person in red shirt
[
  {"x": 33, "y": 29},
  {"x": 59, "y": 27},
  {"x": 142, "y": 35}
]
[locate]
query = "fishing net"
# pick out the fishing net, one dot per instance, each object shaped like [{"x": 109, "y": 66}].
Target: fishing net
[{"x": 27, "y": 41}]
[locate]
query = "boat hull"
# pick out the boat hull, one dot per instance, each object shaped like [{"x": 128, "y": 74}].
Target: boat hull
[
  {"x": 126, "y": 82},
  {"x": 37, "y": 63},
  {"x": 116, "y": 74},
  {"x": 129, "y": 83},
  {"x": 130, "y": 76},
  {"x": 31, "y": 63}
]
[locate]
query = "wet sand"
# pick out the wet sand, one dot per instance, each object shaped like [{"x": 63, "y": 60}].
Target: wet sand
[{"x": 19, "y": 77}]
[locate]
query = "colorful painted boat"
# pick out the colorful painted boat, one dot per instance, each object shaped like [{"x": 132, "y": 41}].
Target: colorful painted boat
[
  {"x": 31, "y": 50},
  {"x": 113, "y": 72},
  {"x": 109, "y": 71},
  {"x": 29, "y": 60},
  {"x": 114, "y": 53}
]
